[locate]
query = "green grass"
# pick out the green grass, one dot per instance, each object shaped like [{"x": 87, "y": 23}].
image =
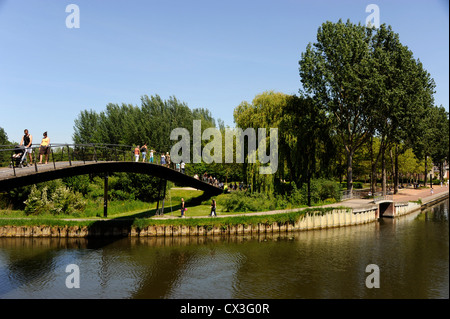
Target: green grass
[
  {"x": 197, "y": 204},
  {"x": 44, "y": 221},
  {"x": 225, "y": 222}
]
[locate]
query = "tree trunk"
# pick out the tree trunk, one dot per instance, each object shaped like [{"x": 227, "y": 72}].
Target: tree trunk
[
  {"x": 396, "y": 175},
  {"x": 349, "y": 171},
  {"x": 309, "y": 189},
  {"x": 372, "y": 170},
  {"x": 383, "y": 172},
  {"x": 426, "y": 172}
]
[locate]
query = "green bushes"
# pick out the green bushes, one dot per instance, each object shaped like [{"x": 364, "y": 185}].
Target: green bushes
[
  {"x": 356, "y": 185},
  {"x": 60, "y": 201},
  {"x": 249, "y": 202},
  {"x": 322, "y": 192}
]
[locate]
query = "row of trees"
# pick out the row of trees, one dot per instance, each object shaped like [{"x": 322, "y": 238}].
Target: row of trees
[
  {"x": 366, "y": 108},
  {"x": 362, "y": 89},
  {"x": 150, "y": 123}
]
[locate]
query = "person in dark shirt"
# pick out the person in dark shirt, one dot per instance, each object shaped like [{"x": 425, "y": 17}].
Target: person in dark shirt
[{"x": 27, "y": 141}]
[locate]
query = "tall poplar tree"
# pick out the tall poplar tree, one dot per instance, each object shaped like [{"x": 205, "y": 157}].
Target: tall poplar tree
[{"x": 336, "y": 72}]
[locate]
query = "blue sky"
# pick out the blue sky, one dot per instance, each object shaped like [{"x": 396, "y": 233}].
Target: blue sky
[{"x": 210, "y": 54}]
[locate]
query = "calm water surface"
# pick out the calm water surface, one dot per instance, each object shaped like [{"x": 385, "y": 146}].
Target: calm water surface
[{"x": 412, "y": 253}]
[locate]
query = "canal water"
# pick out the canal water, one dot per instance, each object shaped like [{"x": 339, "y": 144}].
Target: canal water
[{"x": 409, "y": 258}]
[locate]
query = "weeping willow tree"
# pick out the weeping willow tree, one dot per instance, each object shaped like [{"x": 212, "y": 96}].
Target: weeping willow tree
[{"x": 265, "y": 111}]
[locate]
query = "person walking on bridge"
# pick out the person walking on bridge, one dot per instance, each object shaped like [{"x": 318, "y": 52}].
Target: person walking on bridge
[
  {"x": 27, "y": 141},
  {"x": 151, "y": 156},
  {"x": 44, "y": 148},
  {"x": 136, "y": 154},
  {"x": 144, "y": 152}
]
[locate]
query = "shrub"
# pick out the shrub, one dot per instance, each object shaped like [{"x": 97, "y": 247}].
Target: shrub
[
  {"x": 65, "y": 201},
  {"x": 243, "y": 202},
  {"x": 37, "y": 201},
  {"x": 62, "y": 201}
]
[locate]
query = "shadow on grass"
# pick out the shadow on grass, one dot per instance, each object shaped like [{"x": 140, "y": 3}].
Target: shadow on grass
[{"x": 120, "y": 227}]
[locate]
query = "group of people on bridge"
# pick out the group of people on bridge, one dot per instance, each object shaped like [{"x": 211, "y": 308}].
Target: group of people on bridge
[
  {"x": 44, "y": 147},
  {"x": 164, "y": 158}
]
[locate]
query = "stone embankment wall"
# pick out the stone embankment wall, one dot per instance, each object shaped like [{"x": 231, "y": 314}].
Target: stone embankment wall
[
  {"x": 309, "y": 221},
  {"x": 406, "y": 208}
]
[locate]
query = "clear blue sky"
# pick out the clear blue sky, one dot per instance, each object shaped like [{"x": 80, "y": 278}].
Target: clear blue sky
[{"x": 211, "y": 54}]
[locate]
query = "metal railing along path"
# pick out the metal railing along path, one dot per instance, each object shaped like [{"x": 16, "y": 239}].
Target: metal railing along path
[{"x": 379, "y": 197}]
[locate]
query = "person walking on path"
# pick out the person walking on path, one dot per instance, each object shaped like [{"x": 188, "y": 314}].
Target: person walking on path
[
  {"x": 44, "y": 148},
  {"x": 27, "y": 141},
  {"x": 183, "y": 208},
  {"x": 213, "y": 208},
  {"x": 136, "y": 154}
]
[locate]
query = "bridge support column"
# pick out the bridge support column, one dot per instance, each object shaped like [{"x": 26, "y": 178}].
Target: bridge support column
[
  {"x": 164, "y": 197},
  {"x": 105, "y": 197},
  {"x": 162, "y": 183}
]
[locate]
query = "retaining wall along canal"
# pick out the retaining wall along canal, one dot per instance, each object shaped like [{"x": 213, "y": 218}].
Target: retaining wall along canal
[{"x": 308, "y": 221}]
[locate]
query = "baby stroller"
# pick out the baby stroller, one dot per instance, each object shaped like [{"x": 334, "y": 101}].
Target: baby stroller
[{"x": 19, "y": 158}]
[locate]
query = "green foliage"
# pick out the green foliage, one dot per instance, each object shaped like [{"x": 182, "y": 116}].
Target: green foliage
[
  {"x": 369, "y": 84},
  {"x": 4, "y": 156},
  {"x": 65, "y": 201},
  {"x": 248, "y": 202},
  {"x": 61, "y": 201},
  {"x": 78, "y": 183},
  {"x": 37, "y": 201},
  {"x": 322, "y": 192}
]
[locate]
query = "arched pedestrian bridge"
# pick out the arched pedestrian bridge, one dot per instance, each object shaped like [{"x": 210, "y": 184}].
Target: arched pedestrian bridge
[{"x": 79, "y": 159}]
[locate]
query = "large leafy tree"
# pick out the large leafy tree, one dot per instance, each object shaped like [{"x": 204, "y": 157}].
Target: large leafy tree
[
  {"x": 403, "y": 93},
  {"x": 336, "y": 72},
  {"x": 433, "y": 140},
  {"x": 4, "y": 156},
  {"x": 369, "y": 84}
]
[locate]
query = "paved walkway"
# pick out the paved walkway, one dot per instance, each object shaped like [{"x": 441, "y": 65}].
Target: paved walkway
[
  {"x": 409, "y": 194},
  {"x": 404, "y": 195}
]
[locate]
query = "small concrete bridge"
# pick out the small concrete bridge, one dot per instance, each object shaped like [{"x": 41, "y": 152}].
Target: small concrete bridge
[{"x": 385, "y": 202}]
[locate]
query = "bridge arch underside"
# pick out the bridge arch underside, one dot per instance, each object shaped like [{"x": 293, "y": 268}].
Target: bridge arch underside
[
  {"x": 386, "y": 208},
  {"x": 109, "y": 167}
]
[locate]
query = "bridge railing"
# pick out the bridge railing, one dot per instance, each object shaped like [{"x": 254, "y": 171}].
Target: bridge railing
[
  {"x": 65, "y": 153},
  {"x": 90, "y": 152},
  {"x": 354, "y": 194},
  {"x": 378, "y": 197}
]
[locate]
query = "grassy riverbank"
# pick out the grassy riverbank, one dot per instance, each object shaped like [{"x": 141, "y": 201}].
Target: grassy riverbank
[
  {"x": 140, "y": 214},
  {"x": 140, "y": 223}
]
